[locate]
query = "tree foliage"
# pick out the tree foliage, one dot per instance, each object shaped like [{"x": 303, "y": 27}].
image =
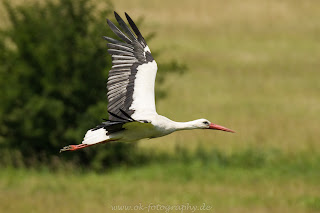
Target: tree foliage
[{"x": 53, "y": 73}]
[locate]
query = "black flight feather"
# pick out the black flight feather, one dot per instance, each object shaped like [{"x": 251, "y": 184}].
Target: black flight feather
[
  {"x": 124, "y": 27},
  {"x": 117, "y": 116},
  {"x": 118, "y": 32},
  {"x": 128, "y": 116},
  {"x": 136, "y": 30}
]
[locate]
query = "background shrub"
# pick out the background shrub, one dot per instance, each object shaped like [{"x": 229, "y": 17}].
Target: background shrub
[{"x": 53, "y": 70}]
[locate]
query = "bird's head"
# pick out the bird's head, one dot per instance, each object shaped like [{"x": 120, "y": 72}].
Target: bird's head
[{"x": 205, "y": 124}]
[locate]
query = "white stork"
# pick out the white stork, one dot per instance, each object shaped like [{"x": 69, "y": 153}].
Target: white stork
[{"x": 131, "y": 103}]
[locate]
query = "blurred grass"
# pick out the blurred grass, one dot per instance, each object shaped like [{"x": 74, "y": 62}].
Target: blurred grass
[
  {"x": 253, "y": 67},
  {"x": 248, "y": 181},
  {"x": 226, "y": 188}
]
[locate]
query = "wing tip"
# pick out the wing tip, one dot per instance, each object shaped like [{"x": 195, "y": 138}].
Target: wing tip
[
  {"x": 116, "y": 14},
  {"x": 127, "y": 16},
  {"x": 109, "y": 22}
]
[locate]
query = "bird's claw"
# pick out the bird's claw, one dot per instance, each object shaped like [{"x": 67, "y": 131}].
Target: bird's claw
[{"x": 66, "y": 148}]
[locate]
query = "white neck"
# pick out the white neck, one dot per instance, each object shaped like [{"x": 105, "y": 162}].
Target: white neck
[{"x": 185, "y": 125}]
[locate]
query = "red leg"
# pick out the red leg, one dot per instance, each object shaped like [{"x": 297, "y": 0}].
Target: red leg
[
  {"x": 74, "y": 147},
  {"x": 80, "y": 146}
]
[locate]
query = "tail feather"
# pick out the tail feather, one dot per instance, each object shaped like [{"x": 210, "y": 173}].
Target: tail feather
[{"x": 95, "y": 136}]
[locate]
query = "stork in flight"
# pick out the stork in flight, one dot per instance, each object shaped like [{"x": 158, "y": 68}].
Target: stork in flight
[{"x": 131, "y": 103}]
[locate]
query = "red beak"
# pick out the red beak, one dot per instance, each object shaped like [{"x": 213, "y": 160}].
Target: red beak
[{"x": 217, "y": 127}]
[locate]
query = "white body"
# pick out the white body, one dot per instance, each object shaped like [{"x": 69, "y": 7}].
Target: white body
[{"x": 158, "y": 126}]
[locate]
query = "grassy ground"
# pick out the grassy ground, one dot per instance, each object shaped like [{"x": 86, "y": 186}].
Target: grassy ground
[
  {"x": 253, "y": 67},
  {"x": 270, "y": 188}
]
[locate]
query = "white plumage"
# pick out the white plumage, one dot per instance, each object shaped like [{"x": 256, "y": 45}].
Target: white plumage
[
  {"x": 131, "y": 107},
  {"x": 95, "y": 136},
  {"x": 143, "y": 96}
]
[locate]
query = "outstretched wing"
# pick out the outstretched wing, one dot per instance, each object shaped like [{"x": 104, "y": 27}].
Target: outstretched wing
[{"x": 131, "y": 79}]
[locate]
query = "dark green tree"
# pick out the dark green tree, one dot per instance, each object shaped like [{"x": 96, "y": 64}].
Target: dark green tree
[{"x": 53, "y": 70}]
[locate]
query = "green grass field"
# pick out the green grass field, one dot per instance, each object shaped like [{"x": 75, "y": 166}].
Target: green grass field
[
  {"x": 271, "y": 188},
  {"x": 253, "y": 66}
]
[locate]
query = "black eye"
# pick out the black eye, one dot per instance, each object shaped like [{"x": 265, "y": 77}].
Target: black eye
[{"x": 206, "y": 122}]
